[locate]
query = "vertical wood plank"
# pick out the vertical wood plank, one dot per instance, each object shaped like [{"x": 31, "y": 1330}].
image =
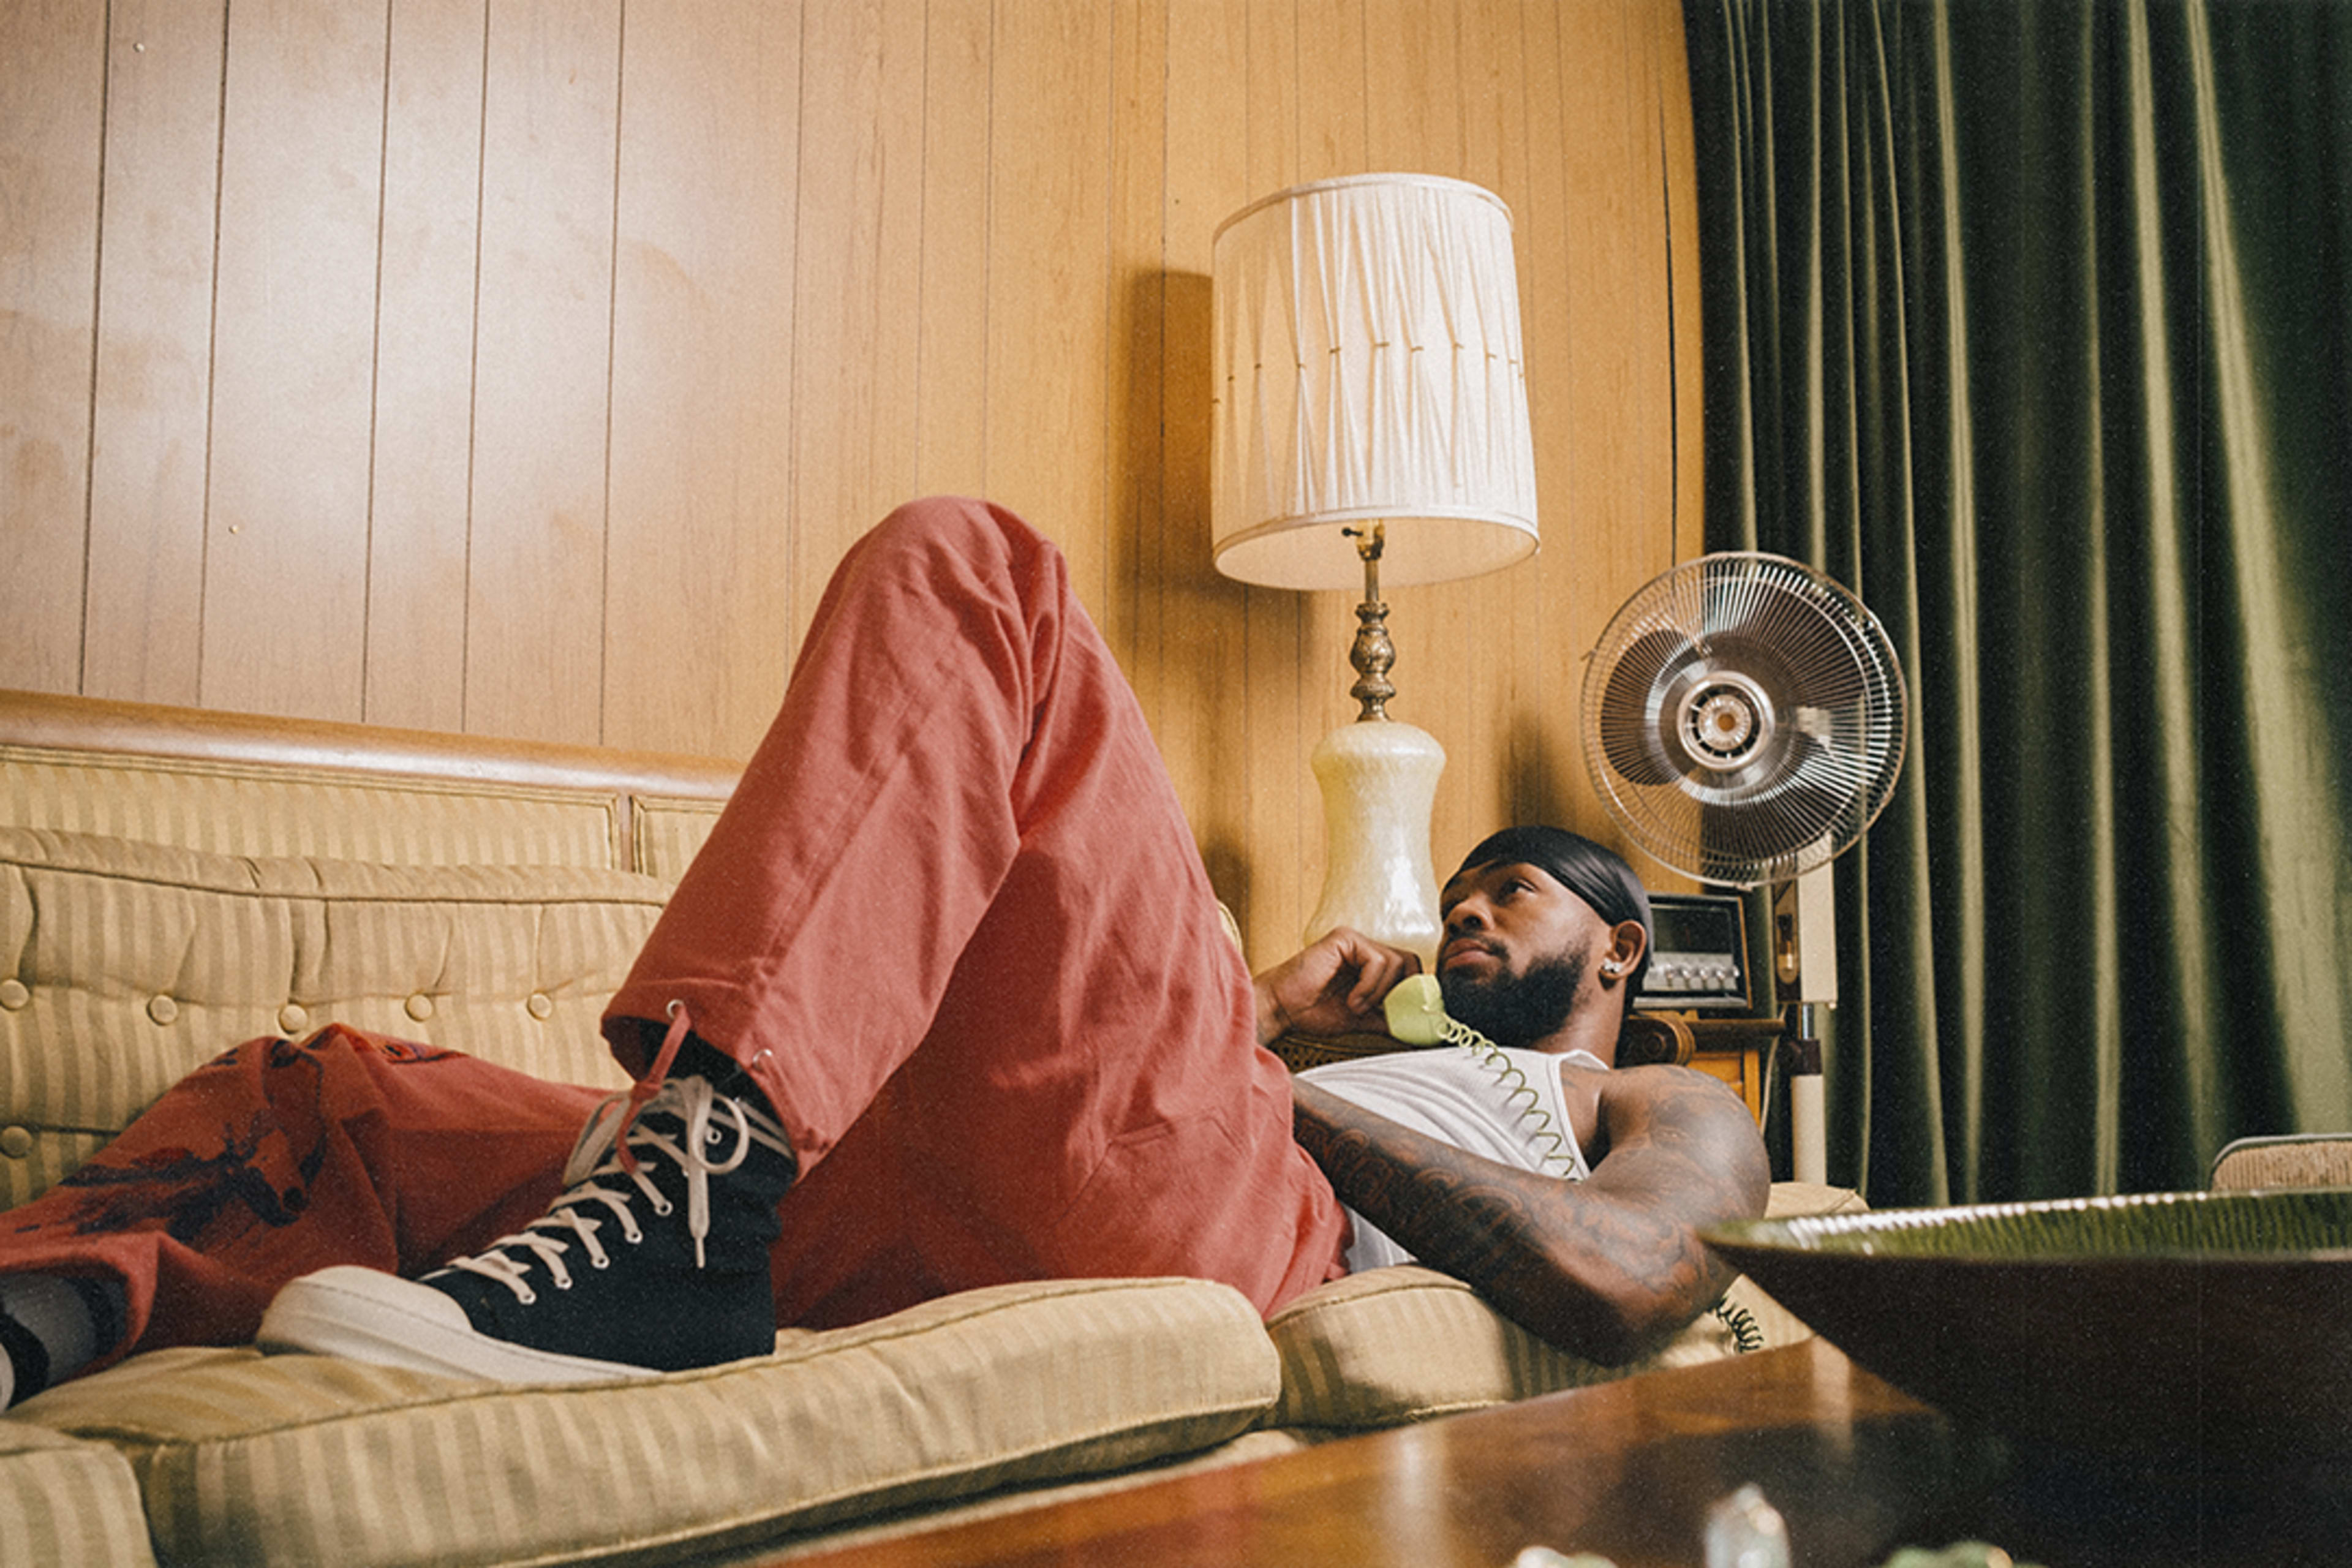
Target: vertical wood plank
[
  {"x": 286, "y": 552},
  {"x": 1048, "y": 215},
  {"x": 858, "y": 319},
  {"x": 1643, "y": 286},
  {"x": 424, "y": 365},
  {"x": 1543, "y": 754},
  {"x": 1504, "y": 670},
  {"x": 1135, "y": 367},
  {"x": 1281, "y": 801},
  {"x": 1201, "y": 691},
  {"x": 535, "y": 591},
  {"x": 1412, "y": 100},
  {"x": 1680, "y": 153},
  {"x": 699, "y": 628},
  {"x": 143, "y": 630},
  {"x": 419, "y": 514},
  {"x": 52, "y": 95},
  {"x": 1271, "y": 121},
  {"x": 952, "y": 419},
  {"x": 1334, "y": 117}
]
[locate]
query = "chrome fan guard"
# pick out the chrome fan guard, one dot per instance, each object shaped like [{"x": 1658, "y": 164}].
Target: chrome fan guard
[{"x": 1744, "y": 718}]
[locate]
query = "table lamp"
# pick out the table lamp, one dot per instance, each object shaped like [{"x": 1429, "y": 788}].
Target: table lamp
[{"x": 1372, "y": 414}]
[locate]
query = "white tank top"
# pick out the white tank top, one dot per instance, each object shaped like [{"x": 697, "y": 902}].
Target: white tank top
[{"x": 1508, "y": 1108}]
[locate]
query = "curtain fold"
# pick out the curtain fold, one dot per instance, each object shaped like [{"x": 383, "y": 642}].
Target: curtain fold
[{"x": 2029, "y": 324}]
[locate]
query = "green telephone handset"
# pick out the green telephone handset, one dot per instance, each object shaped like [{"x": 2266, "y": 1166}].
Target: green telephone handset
[
  {"x": 1416, "y": 1012},
  {"x": 1416, "y": 1009}
]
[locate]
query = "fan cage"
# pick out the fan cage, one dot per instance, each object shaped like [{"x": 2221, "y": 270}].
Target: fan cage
[{"x": 1798, "y": 680}]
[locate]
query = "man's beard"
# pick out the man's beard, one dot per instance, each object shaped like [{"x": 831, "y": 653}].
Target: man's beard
[{"x": 1517, "y": 1009}]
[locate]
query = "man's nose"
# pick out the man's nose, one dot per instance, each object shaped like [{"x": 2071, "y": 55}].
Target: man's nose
[{"x": 1470, "y": 914}]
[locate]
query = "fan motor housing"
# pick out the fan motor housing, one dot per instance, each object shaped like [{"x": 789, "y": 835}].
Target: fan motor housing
[{"x": 1724, "y": 720}]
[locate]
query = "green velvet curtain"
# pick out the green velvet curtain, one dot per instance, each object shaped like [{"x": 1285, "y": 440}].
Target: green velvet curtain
[{"x": 2032, "y": 324}]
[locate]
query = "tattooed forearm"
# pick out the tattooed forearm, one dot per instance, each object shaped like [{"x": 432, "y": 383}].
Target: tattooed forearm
[{"x": 1604, "y": 1267}]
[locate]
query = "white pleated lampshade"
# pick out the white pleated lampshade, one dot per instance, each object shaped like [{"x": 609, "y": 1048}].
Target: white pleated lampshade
[{"x": 1368, "y": 368}]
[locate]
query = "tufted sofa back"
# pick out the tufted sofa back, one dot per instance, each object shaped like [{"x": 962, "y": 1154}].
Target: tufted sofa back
[{"x": 173, "y": 883}]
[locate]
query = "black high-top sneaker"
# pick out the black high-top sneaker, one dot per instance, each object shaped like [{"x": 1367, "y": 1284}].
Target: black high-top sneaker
[{"x": 655, "y": 1259}]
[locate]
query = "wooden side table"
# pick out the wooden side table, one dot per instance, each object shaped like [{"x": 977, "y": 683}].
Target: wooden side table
[{"x": 1737, "y": 1050}]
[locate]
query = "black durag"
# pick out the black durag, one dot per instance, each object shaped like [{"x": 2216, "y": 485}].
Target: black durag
[{"x": 1597, "y": 876}]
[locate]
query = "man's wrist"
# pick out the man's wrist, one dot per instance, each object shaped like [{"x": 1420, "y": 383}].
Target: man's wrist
[{"x": 1271, "y": 1022}]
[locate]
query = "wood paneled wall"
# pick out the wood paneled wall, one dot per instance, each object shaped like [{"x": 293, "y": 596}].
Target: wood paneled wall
[{"x": 524, "y": 367}]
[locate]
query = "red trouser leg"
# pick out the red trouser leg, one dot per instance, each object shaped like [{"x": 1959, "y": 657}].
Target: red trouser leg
[
  {"x": 281, "y": 1158},
  {"x": 954, "y": 924}
]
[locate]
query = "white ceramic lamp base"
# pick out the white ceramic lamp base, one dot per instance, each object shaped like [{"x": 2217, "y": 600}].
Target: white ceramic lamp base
[{"x": 1379, "y": 784}]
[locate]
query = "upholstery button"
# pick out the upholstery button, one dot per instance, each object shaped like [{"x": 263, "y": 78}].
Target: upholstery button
[
  {"x": 163, "y": 1009},
  {"x": 420, "y": 1007},
  {"x": 13, "y": 993},
  {"x": 15, "y": 1142},
  {"x": 292, "y": 1017},
  {"x": 540, "y": 1004}
]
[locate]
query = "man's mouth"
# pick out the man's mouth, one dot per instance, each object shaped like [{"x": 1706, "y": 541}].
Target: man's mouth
[{"x": 1465, "y": 947}]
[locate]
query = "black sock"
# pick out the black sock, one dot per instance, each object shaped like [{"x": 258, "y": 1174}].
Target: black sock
[
  {"x": 110, "y": 1308},
  {"x": 28, "y": 1361},
  {"x": 51, "y": 1327},
  {"x": 697, "y": 1058}
]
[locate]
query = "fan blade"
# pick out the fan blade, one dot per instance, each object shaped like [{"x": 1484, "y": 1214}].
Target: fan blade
[{"x": 1631, "y": 707}]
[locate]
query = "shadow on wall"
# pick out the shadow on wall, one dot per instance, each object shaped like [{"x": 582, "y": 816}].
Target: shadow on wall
[{"x": 1179, "y": 641}]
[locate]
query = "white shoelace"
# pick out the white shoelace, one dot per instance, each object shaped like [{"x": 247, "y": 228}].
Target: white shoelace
[{"x": 599, "y": 1155}]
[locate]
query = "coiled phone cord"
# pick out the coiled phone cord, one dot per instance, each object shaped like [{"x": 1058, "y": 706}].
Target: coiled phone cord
[{"x": 1416, "y": 1012}]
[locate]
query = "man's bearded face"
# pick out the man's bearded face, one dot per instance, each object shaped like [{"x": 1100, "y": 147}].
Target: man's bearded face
[{"x": 1517, "y": 1009}]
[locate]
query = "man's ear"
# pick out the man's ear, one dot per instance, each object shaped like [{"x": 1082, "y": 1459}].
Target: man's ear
[{"x": 1628, "y": 939}]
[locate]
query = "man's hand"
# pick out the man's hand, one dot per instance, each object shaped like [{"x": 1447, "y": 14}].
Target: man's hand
[{"x": 1335, "y": 987}]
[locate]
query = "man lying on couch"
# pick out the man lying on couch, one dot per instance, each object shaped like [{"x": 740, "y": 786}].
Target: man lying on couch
[{"x": 944, "y": 1002}]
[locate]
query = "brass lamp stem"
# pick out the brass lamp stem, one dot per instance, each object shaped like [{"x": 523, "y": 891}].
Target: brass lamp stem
[{"x": 1372, "y": 654}]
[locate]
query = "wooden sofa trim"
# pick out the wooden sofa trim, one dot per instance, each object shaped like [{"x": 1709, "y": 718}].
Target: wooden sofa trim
[{"x": 141, "y": 730}]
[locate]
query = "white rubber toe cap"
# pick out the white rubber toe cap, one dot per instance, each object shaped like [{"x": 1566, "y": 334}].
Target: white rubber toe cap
[{"x": 368, "y": 1315}]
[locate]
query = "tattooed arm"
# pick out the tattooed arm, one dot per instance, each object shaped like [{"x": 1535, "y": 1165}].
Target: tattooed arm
[{"x": 1606, "y": 1268}]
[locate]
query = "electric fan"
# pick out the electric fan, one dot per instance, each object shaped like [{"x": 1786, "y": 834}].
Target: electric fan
[{"x": 1744, "y": 720}]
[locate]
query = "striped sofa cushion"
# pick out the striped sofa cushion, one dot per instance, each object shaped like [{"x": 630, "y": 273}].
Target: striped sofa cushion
[
  {"x": 308, "y": 1460},
  {"x": 123, "y": 965},
  {"x": 66, "y": 1503},
  {"x": 1393, "y": 1345},
  {"x": 2285, "y": 1160},
  {"x": 668, "y": 833}
]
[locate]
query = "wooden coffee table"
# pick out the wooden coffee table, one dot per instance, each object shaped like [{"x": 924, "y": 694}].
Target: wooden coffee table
[{"x": 1627, "y": 1471}]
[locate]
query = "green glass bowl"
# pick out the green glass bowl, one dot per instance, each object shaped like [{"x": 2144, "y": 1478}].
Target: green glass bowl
[{"x": 2208, "y": 1330}]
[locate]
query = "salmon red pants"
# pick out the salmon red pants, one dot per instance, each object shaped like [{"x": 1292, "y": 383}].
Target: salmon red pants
[{"x": 952, "y": 923}]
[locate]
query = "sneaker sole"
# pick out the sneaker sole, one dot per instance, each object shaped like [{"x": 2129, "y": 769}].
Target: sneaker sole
[{"x": 366, "y": 1315}]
